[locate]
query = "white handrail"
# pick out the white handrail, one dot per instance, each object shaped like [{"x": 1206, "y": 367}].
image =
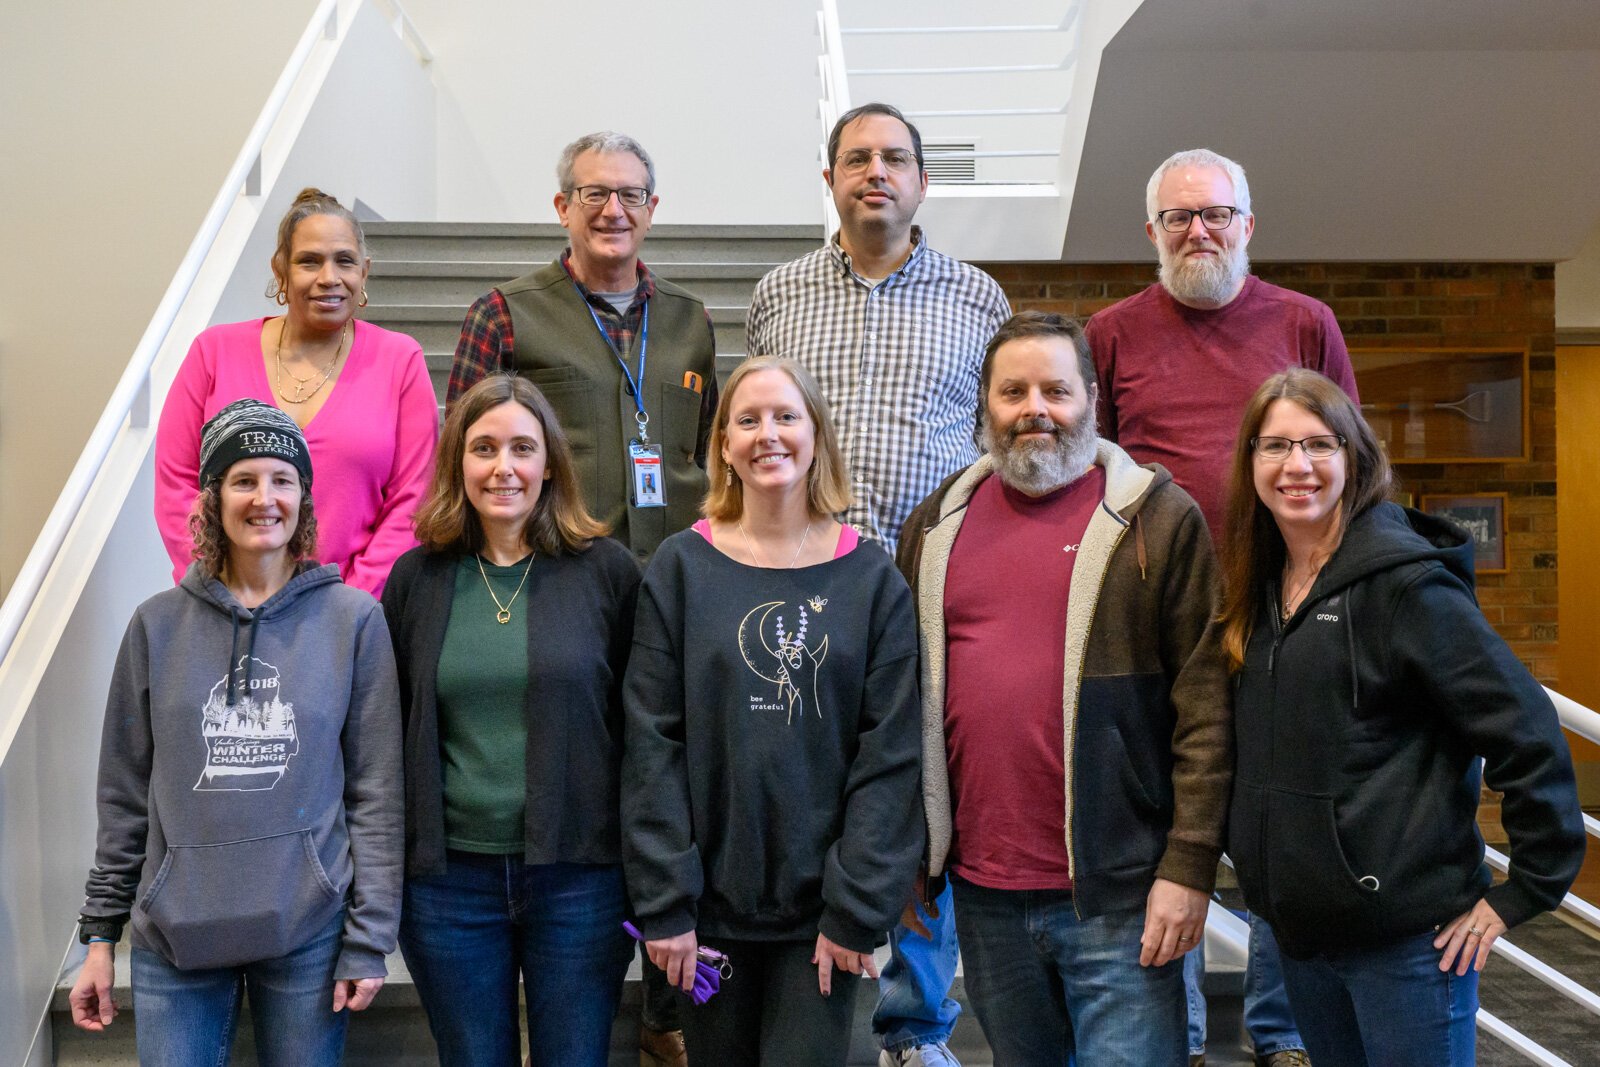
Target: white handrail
[
  {"x": 1575, "y": 717},
  {"x": 1548, "y": 975},
  {"x": 1536, "y": 1052},
  {"x": 130, "y": 401}
]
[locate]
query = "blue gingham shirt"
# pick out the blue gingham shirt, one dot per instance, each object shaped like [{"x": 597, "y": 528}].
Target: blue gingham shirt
[{"x": 897, "y": 361}]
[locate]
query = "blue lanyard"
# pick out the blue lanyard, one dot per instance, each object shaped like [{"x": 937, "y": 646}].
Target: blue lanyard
[{"x": 635, "y": 385}]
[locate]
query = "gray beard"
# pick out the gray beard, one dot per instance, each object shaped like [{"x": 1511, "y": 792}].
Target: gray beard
[
  {"x": 1206, "y": 283},
  {"x": 1037, "y": 468}
]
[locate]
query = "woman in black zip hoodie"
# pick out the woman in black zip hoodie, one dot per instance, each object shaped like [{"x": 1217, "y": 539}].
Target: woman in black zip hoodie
[{"x": 1368, "y": 686}]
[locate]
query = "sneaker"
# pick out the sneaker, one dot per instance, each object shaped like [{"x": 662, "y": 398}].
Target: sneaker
[
  {"x": 661, "y": 1048},
  {"x": 1289, "y": 1057},
  {"x": 932, "y": 1054}
]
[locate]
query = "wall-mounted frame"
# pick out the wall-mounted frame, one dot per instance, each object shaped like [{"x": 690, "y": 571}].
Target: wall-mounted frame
[
  {"x": 1446, "y": 405},
  {"x": 1483, "y": 515}
]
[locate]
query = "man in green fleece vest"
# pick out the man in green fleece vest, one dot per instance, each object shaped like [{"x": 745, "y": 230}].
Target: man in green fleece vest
[{"x": 626, "y": 359}]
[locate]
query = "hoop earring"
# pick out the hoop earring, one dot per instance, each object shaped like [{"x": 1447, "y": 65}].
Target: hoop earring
[
  {"x": 363, "y": 299},
  {"x": 282, "y": 298}
]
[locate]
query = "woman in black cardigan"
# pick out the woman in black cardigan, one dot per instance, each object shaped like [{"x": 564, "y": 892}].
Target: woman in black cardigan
[{"x": 512, "y": 624}]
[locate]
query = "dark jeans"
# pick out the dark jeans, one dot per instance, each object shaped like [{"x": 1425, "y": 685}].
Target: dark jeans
[
  {"x": 771, "y": 1011},
  {"x": 1390, "y": 1004},
  {"x": 466, "y": 934}
]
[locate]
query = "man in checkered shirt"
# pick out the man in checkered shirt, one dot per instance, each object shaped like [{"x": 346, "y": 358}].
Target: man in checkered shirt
[
  {"x": 892, "y": 330},
  {"x": 894, "y": 333}
]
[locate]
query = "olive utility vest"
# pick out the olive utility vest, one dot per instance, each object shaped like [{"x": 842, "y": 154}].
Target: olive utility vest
[{"x": 560, "y": 348}]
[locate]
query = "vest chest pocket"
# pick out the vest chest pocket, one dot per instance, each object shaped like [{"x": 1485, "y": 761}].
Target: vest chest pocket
[{"x": 574, "y": 402}]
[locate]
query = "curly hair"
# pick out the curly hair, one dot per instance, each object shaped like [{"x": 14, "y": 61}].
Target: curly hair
[{"x": 211, "y": 542}]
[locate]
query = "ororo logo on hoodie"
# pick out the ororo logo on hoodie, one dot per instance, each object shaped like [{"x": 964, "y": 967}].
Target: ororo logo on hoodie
[{"x": 250, "y": 739}]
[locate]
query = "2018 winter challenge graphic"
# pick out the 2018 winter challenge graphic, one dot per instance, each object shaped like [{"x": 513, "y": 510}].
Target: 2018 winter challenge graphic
[
  {"x": 248, "y": 742},
  {"x": 781, "y": 656}
]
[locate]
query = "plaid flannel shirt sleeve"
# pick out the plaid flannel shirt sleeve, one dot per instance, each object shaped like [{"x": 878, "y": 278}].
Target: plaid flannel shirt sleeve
[{"x": 485, "y": 345}]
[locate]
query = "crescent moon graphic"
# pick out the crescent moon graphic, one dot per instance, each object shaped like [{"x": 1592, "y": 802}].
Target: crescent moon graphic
[{"x": 745, "y": 644}]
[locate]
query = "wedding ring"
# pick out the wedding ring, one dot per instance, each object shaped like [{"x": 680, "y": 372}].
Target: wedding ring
[
  {"x": 1182, "y": 938},
  {"x": 1473, "y": 931}
]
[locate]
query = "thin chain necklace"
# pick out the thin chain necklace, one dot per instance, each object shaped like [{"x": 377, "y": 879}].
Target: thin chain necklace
[
  {"x": 1292, "y": 596},
  {"x": 300, "y": 394},
  {"x": 751, "y": 548},
  {"x": 503, "y": 616}
]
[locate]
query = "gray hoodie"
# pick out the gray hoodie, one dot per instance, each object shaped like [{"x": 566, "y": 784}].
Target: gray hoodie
[{"x": 250, "y": 776}]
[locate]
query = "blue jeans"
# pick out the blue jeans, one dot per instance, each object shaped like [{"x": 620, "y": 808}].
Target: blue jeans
[
  {"x": 188, "y": 1018},
  {"x": 1389, "y": 1004},
  {"x": 914, "y": 1005},
  {"x": 1047, "y": 985},
  {"x": 1267, "y": 1017},
  {"x": 468, "y": 932}
]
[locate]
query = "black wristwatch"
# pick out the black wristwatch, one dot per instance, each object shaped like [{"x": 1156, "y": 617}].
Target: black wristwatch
[{"x": 90, "y": 928}]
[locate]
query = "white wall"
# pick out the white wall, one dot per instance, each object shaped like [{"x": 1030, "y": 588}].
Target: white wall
[
  {"x": 722, "y": 93},
  {"x": 1578, "y": 288},
  {"x": 118, "y": 129}
]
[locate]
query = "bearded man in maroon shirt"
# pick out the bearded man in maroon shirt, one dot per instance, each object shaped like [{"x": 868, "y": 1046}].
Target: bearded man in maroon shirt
[
  {"x": 1176, "y": 364},
  {"x": 1076, "y": 743}
]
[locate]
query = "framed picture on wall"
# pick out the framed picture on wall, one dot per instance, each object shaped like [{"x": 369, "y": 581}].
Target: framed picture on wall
[
  {"x": 1483, "y": 515},
  {"x": 1445, "y": 405}
]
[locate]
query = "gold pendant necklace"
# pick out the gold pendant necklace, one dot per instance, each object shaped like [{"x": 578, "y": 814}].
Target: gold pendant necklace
[
  {"x": 300, "y": 394},
  {"x": 503, "y": 616}
]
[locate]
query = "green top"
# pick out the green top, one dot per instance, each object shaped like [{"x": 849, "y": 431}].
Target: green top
[{"x": 483, "y": 681}]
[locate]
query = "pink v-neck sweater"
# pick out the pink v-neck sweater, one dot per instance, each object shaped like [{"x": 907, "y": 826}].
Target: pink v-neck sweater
[{"x": 371, "y": 444}]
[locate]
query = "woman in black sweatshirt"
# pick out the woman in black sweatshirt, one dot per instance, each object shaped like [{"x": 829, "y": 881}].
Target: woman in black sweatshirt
[
  {"x": 770, "y": 783},
  {"x": 1369, "y": 684}
]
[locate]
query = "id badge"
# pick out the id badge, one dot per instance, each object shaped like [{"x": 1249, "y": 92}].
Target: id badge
[{"x": 648, "y": 489}]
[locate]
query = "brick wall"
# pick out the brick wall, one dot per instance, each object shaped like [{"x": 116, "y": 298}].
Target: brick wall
[{"x": 1417, "y": 305}]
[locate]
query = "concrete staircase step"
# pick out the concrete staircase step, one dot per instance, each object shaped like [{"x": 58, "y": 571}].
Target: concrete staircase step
[
  {"x": 542, "y": 242},
  {"x": 418, "y": 281}
]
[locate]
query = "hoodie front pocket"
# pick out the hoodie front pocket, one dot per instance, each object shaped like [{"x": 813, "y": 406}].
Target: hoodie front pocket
[
  {"x": 228, "y": 904},
  {"x": 1312, "y": 886}
]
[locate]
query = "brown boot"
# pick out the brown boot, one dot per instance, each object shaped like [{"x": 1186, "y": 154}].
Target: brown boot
[{"x": 662, "y": 1048}]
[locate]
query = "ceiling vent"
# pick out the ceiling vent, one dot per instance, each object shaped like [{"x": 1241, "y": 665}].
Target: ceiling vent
[{"x": 950, "y": 170}]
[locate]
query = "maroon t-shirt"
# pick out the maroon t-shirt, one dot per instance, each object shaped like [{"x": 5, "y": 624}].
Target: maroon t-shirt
[
  {"x": 1174, "y": 380},
  {"x": 1005, "y": 617}
]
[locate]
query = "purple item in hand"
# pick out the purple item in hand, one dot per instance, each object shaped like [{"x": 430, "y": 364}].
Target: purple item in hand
[{"x": 710, "y": 968}]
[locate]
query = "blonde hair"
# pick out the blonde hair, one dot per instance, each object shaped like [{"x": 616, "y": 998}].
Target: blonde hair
[{"x": 827, "y": 482}]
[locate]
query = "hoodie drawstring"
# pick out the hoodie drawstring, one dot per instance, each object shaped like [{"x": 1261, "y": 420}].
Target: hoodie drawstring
[{"x": 233, "y": 653}]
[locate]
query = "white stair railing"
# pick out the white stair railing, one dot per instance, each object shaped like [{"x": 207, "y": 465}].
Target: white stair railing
[{"x": 98, "y": 554}]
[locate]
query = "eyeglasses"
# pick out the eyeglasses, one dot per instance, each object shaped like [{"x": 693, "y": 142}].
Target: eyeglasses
[
  {"x": 1177, "y": 219},
  {"x": 857, "y": 160},
  {"x": 599, "y": 195},
  {"x": 1278, "y": 448}
]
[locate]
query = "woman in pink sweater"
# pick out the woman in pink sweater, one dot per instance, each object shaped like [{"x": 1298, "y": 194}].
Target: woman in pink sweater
[{"x": 360, "y": 394}]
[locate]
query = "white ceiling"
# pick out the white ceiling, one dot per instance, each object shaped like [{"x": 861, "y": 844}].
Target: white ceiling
[{"x": 1370, "y": 129}]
